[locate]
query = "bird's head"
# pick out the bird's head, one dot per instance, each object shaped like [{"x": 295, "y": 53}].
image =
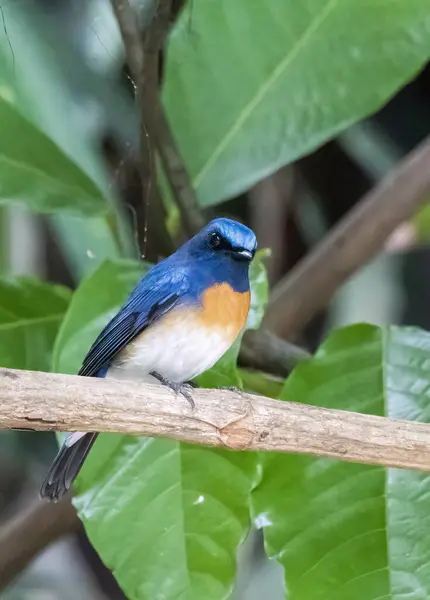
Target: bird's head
[{"x": 225, "y": 238}]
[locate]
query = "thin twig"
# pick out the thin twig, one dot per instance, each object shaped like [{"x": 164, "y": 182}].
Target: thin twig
[
  {"x": 351, "y": 244},
  {"x": 171, "y": 159},
  {"x": 129, "y": 29},
  {"x": 178, "y": 178},
  {"x": 238, "y": 421},
  {"x": 142, "y": 56},
  {"x": 173, "y": 164},
  {"x": 139, "y": 69},
  {"x": 176, "y": 173},
  {"x": 265, "y": 351}
]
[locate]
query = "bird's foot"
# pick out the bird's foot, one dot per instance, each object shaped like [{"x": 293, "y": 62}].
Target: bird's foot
[
  {"x": 178, "y": 388},
  {"x": 191, "y": 384}
]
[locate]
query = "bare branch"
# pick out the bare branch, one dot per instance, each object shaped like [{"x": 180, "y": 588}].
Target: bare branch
[
  {"x": 351, "y": 244},
  {"x": 171, "y": 159},
  {"x": 135, "y": 58},
  {"x": 29, "y": 532},
  {"x": 127, "y": 23},
  {"x": 178, "y": 178},
  {"x": 271, "y": 204},
  {"x": 142, "y": 56},
  {"x": 238, "y": 421},
  {"x": 264, "y": 351}
]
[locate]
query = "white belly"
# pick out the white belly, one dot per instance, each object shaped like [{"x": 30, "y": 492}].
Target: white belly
[{"x": 179, "y": 349}]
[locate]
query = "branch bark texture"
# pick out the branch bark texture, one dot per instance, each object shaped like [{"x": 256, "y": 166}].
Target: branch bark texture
[
  {"x": 238, "y": 421},
  {"x": 352, "y": 243}
]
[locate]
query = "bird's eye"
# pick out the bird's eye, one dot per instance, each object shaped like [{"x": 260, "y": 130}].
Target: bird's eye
[{"x": 215, "y": 240}]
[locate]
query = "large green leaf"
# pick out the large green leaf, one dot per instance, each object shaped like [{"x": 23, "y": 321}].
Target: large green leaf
[
  {"x": 32, "y": 80},
  {"x": 49, "y": 158},
  {"x": 35, "y": 172},
  {"x": 3, "y": 241},
  {"x": 249, "y": 90},
  {"x": 351, "y": 531},
  {"x": 86, "y": 242},
  {"x": 30, "y": 315},
  {"x": 166, "y": 517}
]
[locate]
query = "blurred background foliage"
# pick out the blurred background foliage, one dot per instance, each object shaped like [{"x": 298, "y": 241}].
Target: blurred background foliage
[{"x": 285, "y": 113}]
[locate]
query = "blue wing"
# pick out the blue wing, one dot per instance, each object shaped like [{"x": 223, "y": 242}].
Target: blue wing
[{"x": 163, "y": 288}]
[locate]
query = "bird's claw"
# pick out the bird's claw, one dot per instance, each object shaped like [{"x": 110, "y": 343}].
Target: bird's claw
[
  {"x": 185, "y": 390},
  {"x": 178, "y": 388},
  {"x": 191, "y": 384}
]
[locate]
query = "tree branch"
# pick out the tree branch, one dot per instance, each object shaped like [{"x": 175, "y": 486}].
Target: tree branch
[
  {"x": 178, "y": 178},
  {"x": 263, "y": 350},
  {"x": 173, "y": 165},
  {"x": 351, "y": 244},
  {"x": 29, "y": 532},
  {"x": 171, "y": 159},
  {"x": 238, "y": 421},
  {"x": 139, "y": 68},
  {"x": 143, "y": 54},
  {"x": 142, "y": 57}
]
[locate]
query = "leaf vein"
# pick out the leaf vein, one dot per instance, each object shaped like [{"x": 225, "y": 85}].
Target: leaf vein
[{"x": 265, "y": 89}]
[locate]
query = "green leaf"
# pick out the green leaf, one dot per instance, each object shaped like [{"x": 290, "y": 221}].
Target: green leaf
[
  {"x": 267, "y": 85},
  {"x": 30, "y": 314},
  {"x": 86, "y": 242},
  {"x": 259, "y": 288},
  {"x": 3, "y": 241},
  {"x": 33, "y": 80},
  {"x": 166, "y": 517},
  {"x": 421, "y": 224},
  {"x": 35, "y": 172},
  {"x": 60, "y": 167},
  {"x": 261, "y": 383},
  {"x": 346, "y": 530}
]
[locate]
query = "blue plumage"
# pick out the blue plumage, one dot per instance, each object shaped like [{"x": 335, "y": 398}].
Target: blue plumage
[{"x": 177, "y": 281}]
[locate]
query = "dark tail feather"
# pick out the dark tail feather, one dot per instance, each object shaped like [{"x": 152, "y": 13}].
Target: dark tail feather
[{"x": 66, "y": 467}]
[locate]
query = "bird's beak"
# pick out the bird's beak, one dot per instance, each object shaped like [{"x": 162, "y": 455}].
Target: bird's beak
[{"x": 246, "y": 254}]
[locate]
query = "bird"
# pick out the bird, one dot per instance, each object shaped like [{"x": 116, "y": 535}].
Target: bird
[{"x": 179, "y": 320}]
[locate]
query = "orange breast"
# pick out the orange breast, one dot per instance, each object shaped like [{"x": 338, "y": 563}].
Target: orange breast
[{"x": 224, "y": 308}]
